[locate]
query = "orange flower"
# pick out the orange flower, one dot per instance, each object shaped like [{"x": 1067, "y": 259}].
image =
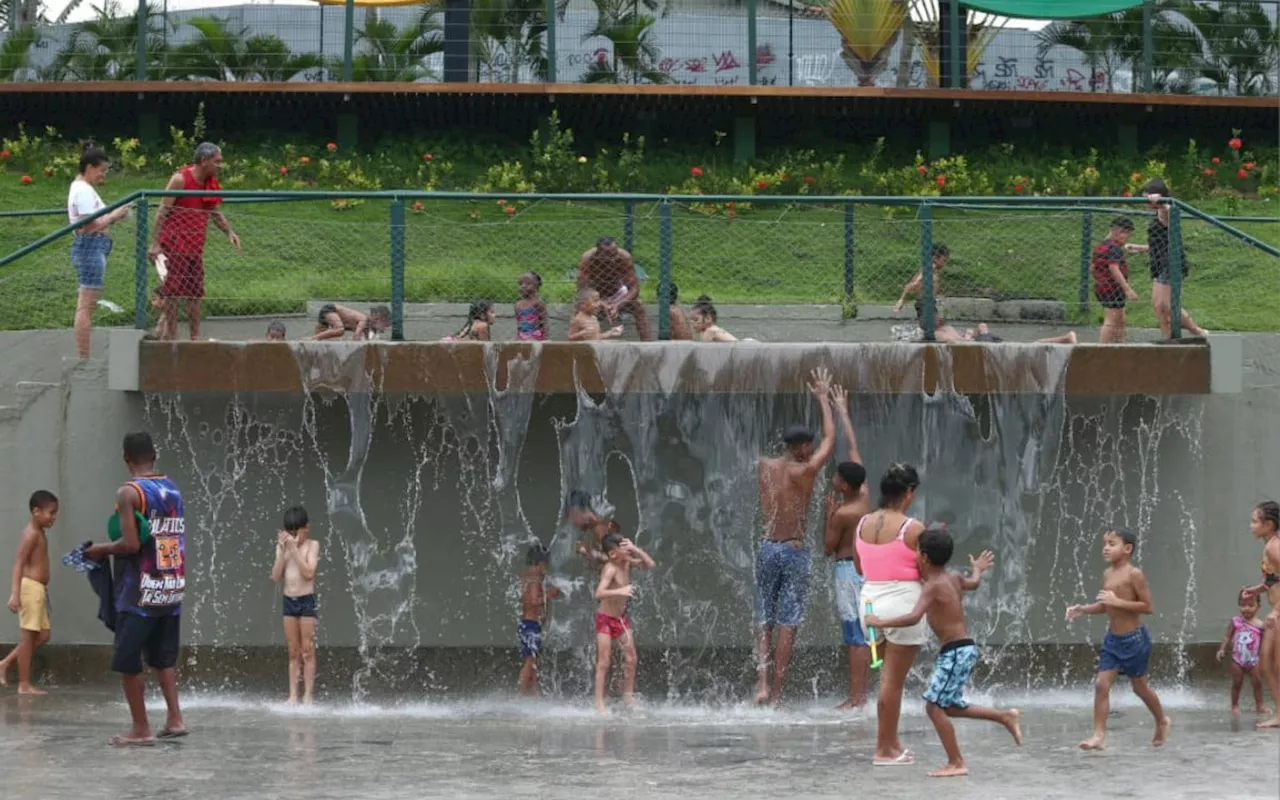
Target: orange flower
[
  {"x": 1126, "y": 193},
  {"x": 1208, "y": 172},
  {"x": 427, "y": 156},
  {"x": 1135, "y": 177},
  {"x": 1248, "y": 165},
  {"x": 922, "y": 169},
  {"x": 1217, "y": 160},
  {"x": 417, "y": 205},
  {"x": 304, "y": 161},
  {"x": 808, "y": 180},
  {"x": 284, "y": 170},
  {"x": 511, "y": 210},
  {"x": 1017, "y": 188},
  {"x": 1242, "y": 174},
  {"x": 762, "y": 185}
]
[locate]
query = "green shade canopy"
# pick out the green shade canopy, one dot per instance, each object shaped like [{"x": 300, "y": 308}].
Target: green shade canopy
[{"x": 1052, "y": 9}]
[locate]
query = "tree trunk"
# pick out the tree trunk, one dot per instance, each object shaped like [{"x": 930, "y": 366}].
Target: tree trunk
[{"x": 907, "y": 47}]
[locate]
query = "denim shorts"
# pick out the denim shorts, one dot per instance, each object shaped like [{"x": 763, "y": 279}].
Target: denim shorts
[
  {"x": 782, "y": 584},
  {"x": 89, "y": 253}
]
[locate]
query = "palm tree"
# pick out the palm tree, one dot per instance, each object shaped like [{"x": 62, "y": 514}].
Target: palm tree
[
  {"x": 18, "y": 14},
  {"x": 1113, "y": 42},
  {"x": 106, "y": 48},
  {"x": 225, "y": 55},
  {"x": 980, "y": 30},
  {"x": 508, "y": 37},
  {"x": 15, "y": 54},
  {"x": 397, "y": 55},
  {"x": 1239, "y": 47},
  {"x": 634, "y": 53},
  {"x": 868, "y": 31}
]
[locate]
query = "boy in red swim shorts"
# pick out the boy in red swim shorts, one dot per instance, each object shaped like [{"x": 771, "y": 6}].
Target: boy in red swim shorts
[{"x": 614, "y": 591}]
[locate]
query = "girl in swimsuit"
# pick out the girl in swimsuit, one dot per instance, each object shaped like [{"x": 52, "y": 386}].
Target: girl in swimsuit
[
  {"x": 1265, "y": 525},
  {"x": 1244, "y": 642},
  {"x": 531, "y": 312},
  {"x": 479, "y": 319}
]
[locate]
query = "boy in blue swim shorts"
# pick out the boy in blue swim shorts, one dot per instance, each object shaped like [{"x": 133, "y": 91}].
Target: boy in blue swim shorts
[
  {"x": 1126, "y": 649},
  {"x": 942, "y": 602},
  {"x": 534, "y": 595}
]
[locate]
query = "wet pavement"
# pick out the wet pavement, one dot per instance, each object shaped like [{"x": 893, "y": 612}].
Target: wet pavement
[{"x": 253, "y": 747}]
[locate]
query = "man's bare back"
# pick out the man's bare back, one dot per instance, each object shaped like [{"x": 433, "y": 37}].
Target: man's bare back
[{"x": 786, "y": 486}]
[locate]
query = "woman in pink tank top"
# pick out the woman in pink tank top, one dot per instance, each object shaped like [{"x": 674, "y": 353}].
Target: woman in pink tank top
[{"x": 887, "y": 541}]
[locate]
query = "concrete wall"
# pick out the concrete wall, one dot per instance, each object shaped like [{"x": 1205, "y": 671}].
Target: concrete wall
[{"x": 423, "y": 530}]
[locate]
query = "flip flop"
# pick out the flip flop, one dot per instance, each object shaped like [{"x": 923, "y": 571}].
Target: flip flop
[
  {"x": 903, "y": 760},
  {"x": 120, "y": 741},
  {"x": 171, "y": 734}
]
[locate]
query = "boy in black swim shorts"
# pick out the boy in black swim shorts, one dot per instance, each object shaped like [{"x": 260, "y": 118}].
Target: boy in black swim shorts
[
  {"x": 297, "y": 559},
  {"x": 1111, "y": 280}
]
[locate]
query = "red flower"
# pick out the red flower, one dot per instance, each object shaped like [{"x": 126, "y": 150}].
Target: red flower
[
  {"x": 511, "y": 210},
  {"x": 729, "y": 205},
  {"x": 697, "y": 172},
  {"x": 1208, "y": 172},
  {"x": 942, "y": 181},
  {"x": 502, "y": 202},
  {"x": 26, "y": 180},
  {"x": 1126, "y": 193},
  {"x": 284, "y": 170},
  {"x": 426, "y": 156},
  {"x": 1248, "y": 165},
  {"x": 808, "y": 180},
  {"x": 4, "y": 154},
  {"x": 1235, "y": 143},
  {"x": 1217, "y": 160},
  {"x": 922, "y": 169},
  {"x": 333, "y": 148},
  {"x": 762, "y": 185},
  {"x": 1242, "y": 174},
  {"x": 417, "y": 205},
  {"x": 1017, "y": 188},
  {"x": 304, "y": 161}
]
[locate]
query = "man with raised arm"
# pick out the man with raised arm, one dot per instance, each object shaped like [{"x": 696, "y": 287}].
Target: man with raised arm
[
  {"x": 845, "y": 510},
  {"x": 784, "y": 563}
]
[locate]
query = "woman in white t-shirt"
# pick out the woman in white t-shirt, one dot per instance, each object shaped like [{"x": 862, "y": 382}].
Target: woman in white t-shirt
[{"x": 91, "y": 244}]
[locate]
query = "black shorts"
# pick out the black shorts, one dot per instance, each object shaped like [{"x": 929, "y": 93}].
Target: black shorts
[
  {"x": 325, "y": 311},
  {"x": 1114, "y": 299},
  {"x": 155, "y": 638},
  {"x": 304, "y": 606}
]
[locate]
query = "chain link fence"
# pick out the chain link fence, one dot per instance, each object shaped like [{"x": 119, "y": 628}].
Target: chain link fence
[
  {"x": 990, "y": 260},
  {"x": 1194, "y": 47}
]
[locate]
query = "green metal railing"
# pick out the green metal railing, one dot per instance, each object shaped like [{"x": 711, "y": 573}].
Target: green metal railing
[{"x": 853, "y": 270}]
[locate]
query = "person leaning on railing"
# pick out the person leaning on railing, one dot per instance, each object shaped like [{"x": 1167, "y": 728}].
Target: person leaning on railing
[
  {"x": 92, "y": 243},
  {"x": 1158, "y": 250}
]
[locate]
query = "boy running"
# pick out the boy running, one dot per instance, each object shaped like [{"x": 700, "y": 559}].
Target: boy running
[
  {"x": 297, "y": 558},
  {"x": 534, "y": 594},
  {"x": 1111, "y": 280},
  {"x": 29, "y": 598},
  {"x": 614, "y": 592},
  {"x": 942, "y": 603},
  {"x": 1126, "y": 649}
]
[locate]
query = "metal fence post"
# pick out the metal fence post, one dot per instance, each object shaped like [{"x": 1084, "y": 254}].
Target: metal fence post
[
  {"x": 348, "y": 40},
  {"x": 1148, "y": 48},
  {"x": 1086, "y": 259},
  {"x": 1175, "y": 271},
  {"x": 551, "y": 43},
  {"x": 629, "y": 226},
  {"x": 397, "y": 268},
  {"x": 140, "y": 262},
  {"x": 753, "y": 65},
  {"x": 926, "y": 270},
  {"x": 953, "y": 54},
  {"x": 664, "y": 271},
  {"x": 848, "y": 252},
  {"x": 140, "y": 69}
]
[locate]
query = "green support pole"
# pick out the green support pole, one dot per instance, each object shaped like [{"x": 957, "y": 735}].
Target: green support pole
[
  {"x": 664, "y": 272},
  {"x": 848, "y": 252},
  {"x": 629, "y": 226},
  {"x": 926, "y": 270},
  {"x": 397, "y": 269},
  {"x": 1148, "y": 48},
  {"x": 348, "y": 41},
  {"x": 1086, "y": 259},
  {"x": 939, "y": 138},
  {"x": 140, "y": 69},
  {"x": 1175, "y": 271},
  {"x": 953, "y": 20},
  {"x": 551, "y": 41},
  {"x": 140, "y": 263},
  {"x": 753, "y": 67},
  {"x": 744, "y": 138}
]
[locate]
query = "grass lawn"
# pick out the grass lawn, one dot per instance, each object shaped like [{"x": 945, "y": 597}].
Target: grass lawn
[{"x": 458, "y": 251}]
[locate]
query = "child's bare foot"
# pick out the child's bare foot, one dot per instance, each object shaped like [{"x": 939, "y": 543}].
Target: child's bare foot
[
  {"x": 1262, "y": 710},
  {"x": 26, "y": 688},
  {"x": 1012, "y": 725},
  {"x": 1098, "y": 741},
  {"x": 950, "y": 771},
  {"x": 762, "y": 696},
  {"x": 1072, "y": 338},
  {"x": 293, "y": 700},
  {"x": 602, "y": 710},
  {"x": 131, "y": 740},
  {"x": 308, "y": 700},
  {"x": 1235, "y": 710},
  {"x": 849, "y": 705},
  {"x": 1274, "y": 722},
  {"x": 1162, "y": 732}
]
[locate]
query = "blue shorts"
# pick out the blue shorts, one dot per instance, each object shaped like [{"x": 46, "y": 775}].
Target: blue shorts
[
  {"x": 782, "y": 583},
  {"x": 848, "y": 586},
  {"x": 1128, "y": 654},
  {"x": 530, "y": 635},
  {"x": 89, "y": 253},
  {"x": 955, "y": 664}
]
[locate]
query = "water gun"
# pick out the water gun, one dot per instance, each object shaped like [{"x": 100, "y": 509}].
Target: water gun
[{"x": 876, "y": 660}]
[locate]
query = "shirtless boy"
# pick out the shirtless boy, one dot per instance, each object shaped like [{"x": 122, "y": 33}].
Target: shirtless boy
[
  {"x": 942, "y": 603},
  {"x": 335, "y": 320},
  {"x": 783, "y": 565},
  {"x": 29, "y": 598},
  {"x": 590, "y": 525},
  {"x": 1126, "y": 649},
  {"x": 297, "y": 558},
  {"x": 614, "y": 591},
  {"x": 534, "y": 594},
  {"x": 584, "y": 327},
  {"x": 843, "y": 515},
  {"x": 679, "y": 324}
]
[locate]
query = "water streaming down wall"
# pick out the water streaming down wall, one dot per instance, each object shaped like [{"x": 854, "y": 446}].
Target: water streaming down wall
[{"x": 424, "y": 505}]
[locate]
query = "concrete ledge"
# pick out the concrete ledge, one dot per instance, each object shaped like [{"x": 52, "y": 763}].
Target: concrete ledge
[
  {"x": 665, "y": 367},
  {"x": 1226, "y": 363},
  {"x": 122, "y": 359}
]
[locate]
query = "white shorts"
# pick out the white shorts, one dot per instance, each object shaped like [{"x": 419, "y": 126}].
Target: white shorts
[{"x": 890, "y": 599}]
